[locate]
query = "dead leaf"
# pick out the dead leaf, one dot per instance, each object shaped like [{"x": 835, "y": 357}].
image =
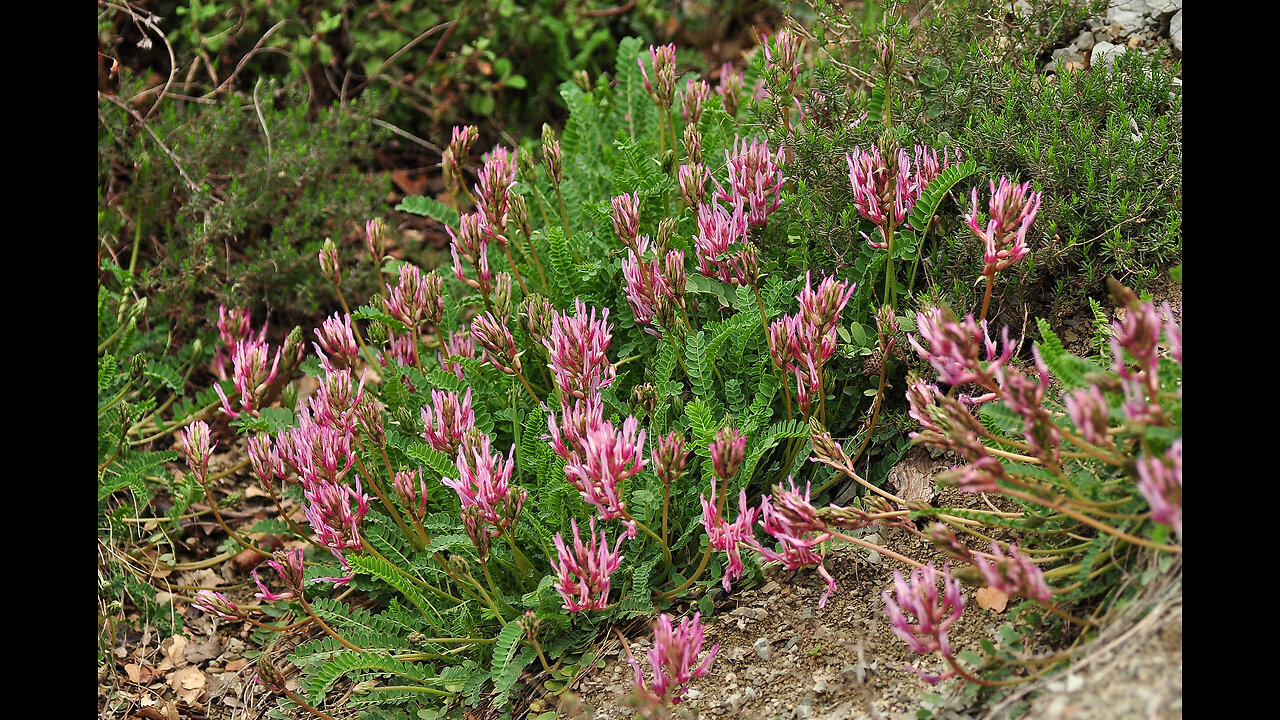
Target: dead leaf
[
  {"x": 150, "y": 713},
  {"x": 236, "y": 665},
  {"x": 992, "y": 599},
  {"x": 208, "y": 649},
  {"x": 139, "y": 674},
  {"x": 174, "y": 648},
  {"x": 912, "y": 477},
  {"x": 188, "y": 683}
]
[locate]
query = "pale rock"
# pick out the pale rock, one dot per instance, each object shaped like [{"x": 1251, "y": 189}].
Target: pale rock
[
  {"x": 1164, "y": 7},
  {"x": 763, "y": 648},
  {"x": 1175, "y": 30},
  {"x": 1105, "y": 53},
  {"x": 1128, "y": 15}
]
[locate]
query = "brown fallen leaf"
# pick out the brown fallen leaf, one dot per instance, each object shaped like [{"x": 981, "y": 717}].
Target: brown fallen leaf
[
  {"x": 236, "y": 665},
  {"x": 246, "y": 560},
  {"x": 174, "y": 648},
  {"x": 992, "y": 599},
  {"x": 150, "y": 713},
  {"x": 188, "y": 683},
  {"x": 138, "y": 674}
]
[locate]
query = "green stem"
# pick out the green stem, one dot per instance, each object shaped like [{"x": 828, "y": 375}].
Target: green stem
[
  {"x": 325, "y": 626},
  {"x": 522, "y": 561},
  {"x": 564, "y": 214},
  {"x": 666, "y": 551},
  {"x": 386, "y": 502},
  {"x": 702, "y": 565},
  {"x": 484, "y": 566}
]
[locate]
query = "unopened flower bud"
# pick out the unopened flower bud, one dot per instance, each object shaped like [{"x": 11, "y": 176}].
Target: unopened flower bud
[
  {"x": 582, "y": 80},
  {"x": 726, "y": 453},
  {"x": 329, "y": 262},
  {"x": 502, "y": 296},
  {"x": 289, "y": 397},
  {"x": 692, "y": 142},
  {"x": 268, "y": 676},
  {"x": 536, "y": 313},
  {"x": 291, "y": 353},
  {"x": 530, "y": 624},
  {"x": 551, "y": 154},
  {"x": 520, "y": 214},
  {"x": 137, "y": 365},
  {"x": 669, "y": 457},
  {"x": 645, "y": 397},
  {"x": 824, "y": 446},
  {"x": 378, "y": 333},
  {"x": 375, "y": 238}
]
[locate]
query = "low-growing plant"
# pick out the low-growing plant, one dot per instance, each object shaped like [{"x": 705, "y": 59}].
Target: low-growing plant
[{"x": 498, "y": 504}]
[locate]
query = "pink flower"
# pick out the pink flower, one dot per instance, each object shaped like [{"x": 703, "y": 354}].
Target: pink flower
[
  {"x": 402, "y": 349},
  {"x": 726, "y": 452},
  {"x": 1160, "y": 482},
  {"x": 578, "y": 418},
  {"x": 459, "y": 344},
  {"x": 337, "y": 399},
  {"x": 755, "y": 178},
  {"x": 471, "y": 243},
  {"x": 336, "y": 342},
  {"x": 1026, "y": 397},
  {"x": 484, "y": 482},
  {"x": 730, "y": 88},
  {"x": 1013, "y": 574},
  {"x": 979, "y": 475},
  {"x": 820, "y": 309},
  {"x": 458, "y": 151},
  {"x": 669, "y": 458},
  {"x": 496, "y": 178},
  {"x": 315, "y": 452},
  {"x": 726, "y": 537},
  {"x": 263, "y": 458},
  {"x": 1138, "y": 333},
  {"x": 782, "y": 57},
  {"x": 583, "y": 574},
  {"x": 794, "y": 545},
  {"x": 407, "y": 301},
  {"x": 412, "y": 491},
  {"x": 626, "y": 219},
  {"x": 331, "y": 516},
  {"x": 933, "y": 615},
  {"x": 954, "y": 348},
  {"x": 1088, "y": 410},
  {"x": 193, "y": 440},
  {"x": 497, "y": 343},
  {"x": 874, "y": 188},
  {"x": 447, "y": 420},
  {"x": 645, "y": 286},
  {"x": 696, "y": 92},
  {"x": 718, "y": 229},
  {"x": 249, "y": 375},
  {"x": 233, "y": 326},
  {"x": 375, "y": 238},
  {"x": 215, "y": 603},
  {"x": 577, "y": 347},
  {"x": 693, "y": 181},
  {"x": 329, "y": 265},
  {"x": 673, "y": 656},
  {"x": 289, "y": 567},
  {"x": 609, "y": 457},
  {"x": 663, "y": 88},
  {"x": 1012, "y": 210}
]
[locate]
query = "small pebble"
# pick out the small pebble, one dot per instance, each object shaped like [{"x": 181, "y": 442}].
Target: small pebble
[{"x": 763, "y": 648}]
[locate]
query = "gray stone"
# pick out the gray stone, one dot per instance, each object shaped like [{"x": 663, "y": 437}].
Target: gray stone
[
  {"x": 763, "y": 648},
  {"x": 1164, "y": 7},
  {"x": 1085, "y": 41},
  {"x": 1129, "y": 15},
  {"x": 1175, "y": 30},
  {"x": 1105, "y": 53}
]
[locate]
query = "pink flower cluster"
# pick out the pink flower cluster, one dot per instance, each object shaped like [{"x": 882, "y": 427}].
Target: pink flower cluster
[
  {"x": 933, "y": 614},
  {"x": 881, "y": 195},
  {"x": 721, "y": 243},
  {"x": 755, "y": 178},
  {"x": 654, "y": 286},
  {"x": 337, "y": 344},
  {"x": 447, "y": 420},
  {"x": 489, "y": 503},
  {"x": 471, "y": 243},
  {"x": 800, "y": 344},
  {"x": 583, "y": 573},
  {"x": 1160, "y": 482},
  {"x": 290, "y": 569},
  {"x": 663, "y": 87},
  {"x": 577, "y": 346},
  {"x": 727, "y": 537},
  {"x": 249, "y": 356},
  {"x": 1011, "y": 209},
  {"x": 493, "y": 191},
  {"x": 459, "y": 344},
  {"x": 673, "y": 659},
  {"x": 954, "y": 348}
]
